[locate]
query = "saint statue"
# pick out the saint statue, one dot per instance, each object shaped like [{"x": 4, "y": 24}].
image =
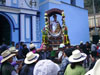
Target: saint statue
[{"x": 55, "y": 27}]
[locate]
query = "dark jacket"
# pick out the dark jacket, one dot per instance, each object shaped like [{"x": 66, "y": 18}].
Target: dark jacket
[
  {"x": 24, "y": 52},
  {"x": 7, "y": 68},
  {"x": 27, "y": 69}
]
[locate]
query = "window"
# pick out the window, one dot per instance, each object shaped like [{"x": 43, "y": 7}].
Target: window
[
  {"x": 73, "y": 2},
  {"x": 2, "y": 1}
]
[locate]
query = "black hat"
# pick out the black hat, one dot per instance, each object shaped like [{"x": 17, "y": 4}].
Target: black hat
[{"x": 68, "y": 52}]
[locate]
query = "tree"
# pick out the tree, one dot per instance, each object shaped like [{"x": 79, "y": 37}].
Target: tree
[{"x": 89, "y": 6}]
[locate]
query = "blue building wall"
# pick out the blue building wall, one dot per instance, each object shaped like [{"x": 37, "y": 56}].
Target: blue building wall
[
  {"x": 76, "y": 20},
  {"x": 67, "y": 1},
  {"x": 23, "y": 21},
  {"x": 80, "y": 3},
  {"x": 14, "y": 26},
  {"x": 40, "y": 1},
  {"x": 14, "y": 3},
  {"x": 42, "y": 9}
]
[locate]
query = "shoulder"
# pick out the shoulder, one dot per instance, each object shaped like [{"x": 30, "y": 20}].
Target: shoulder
[
  {"x": 81, "y": 68},
  {"x": 68, "y": 65},
  {"x": 65, "y": 60},
  {"x": 7, "y": 68},
  {"x": 14, "y": 73}
]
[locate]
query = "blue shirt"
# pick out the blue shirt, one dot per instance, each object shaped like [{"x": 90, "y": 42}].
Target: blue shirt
[{"x": 63, "y": 65}]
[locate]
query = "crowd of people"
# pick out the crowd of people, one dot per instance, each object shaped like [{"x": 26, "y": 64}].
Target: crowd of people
[{"x": 18, "y": 59}]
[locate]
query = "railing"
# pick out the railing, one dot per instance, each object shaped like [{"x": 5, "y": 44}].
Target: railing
[
  {"x": 91, "y": 23},
  {"x": 94, "y": 26}
]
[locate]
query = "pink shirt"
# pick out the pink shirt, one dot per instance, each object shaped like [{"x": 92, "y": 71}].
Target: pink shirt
[{"x": 34, "y": 51}]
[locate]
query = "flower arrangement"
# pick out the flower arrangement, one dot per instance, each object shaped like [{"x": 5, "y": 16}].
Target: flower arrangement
[
  {"x": 46, "y": 23},
  {"x": 45, "y": 30},
  {"x": 64, "y": 30}
]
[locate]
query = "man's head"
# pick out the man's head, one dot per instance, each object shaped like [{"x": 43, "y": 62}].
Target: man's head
[
  {"x": 61, "y": 46},
  {"x": 13, "y": 43},
  {"x": 25, "y": 46},
  {"x": 17, "y": 45}
]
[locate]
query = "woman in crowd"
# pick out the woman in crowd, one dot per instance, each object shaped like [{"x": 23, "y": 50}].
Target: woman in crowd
[
  {"x": 32, "y": 48},
  {"x": 6, "y": 67},
  {"x": 76, "y": 60}
]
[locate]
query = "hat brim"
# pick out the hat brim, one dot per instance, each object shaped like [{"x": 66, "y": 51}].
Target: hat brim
[
  {"x": 15, "y": 50},
  {"x": 71, "y": 59},
  {"x": 4, "y": 59},
  {"x": 26, "y": 61},
  {"x": 61, "y": 46}
]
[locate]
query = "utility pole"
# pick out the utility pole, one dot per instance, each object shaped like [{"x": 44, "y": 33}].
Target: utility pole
[{"x": 94, "y": 12}]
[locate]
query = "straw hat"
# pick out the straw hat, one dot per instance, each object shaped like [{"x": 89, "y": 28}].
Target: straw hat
[
  {"x": 6, "y": 55},
  {"x": 99, "y": 41},
  {"x": 13, "y": 49},
  {"x": 81, "y": 42},
  {"x": 61, "y": 45},
  {"x": 46, "y": 67},
  {"x": 95, "y": 70},
  {"x": 31, "y": 57},
  {"x": 77, "y": 56},
  {"x": 32, "y": 46}
]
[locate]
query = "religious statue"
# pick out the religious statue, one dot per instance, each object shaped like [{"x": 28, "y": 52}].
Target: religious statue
[{"x": 55, "y": 27}]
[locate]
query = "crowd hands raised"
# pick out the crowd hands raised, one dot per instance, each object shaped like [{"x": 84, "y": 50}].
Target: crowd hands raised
[{"x": 80, "y": 59}]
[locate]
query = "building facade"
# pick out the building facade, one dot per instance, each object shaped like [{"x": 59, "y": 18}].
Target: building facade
[
  {"x": 92, "y": 25},
  {"x": 19, "y": 21},
  {"x": 22, "y": 20}
]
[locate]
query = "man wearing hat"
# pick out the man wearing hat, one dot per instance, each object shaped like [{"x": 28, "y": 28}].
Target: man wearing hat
[
  {"x": 6, "y": 67},
  {"x": 32, "y": 48},
  {"x": 15, "y": 62},
  {"x": 30, "y": 62},
  {"x": 61, "y": 52}
]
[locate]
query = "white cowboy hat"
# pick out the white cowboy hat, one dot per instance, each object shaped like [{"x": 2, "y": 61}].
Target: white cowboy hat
[
  {"x": 46, "y": 67},
  {"x": 6, "y": 55},
  {"x": 77, "y": 56},
  {"x": 81, "y": 42},
  {"x": 31, "y": 46},
  {"x": 13, "y": 49},
  {"x": 31, "y": 57},
  {"x": 61, "y": 45},
  {"x": 95, "y": 70}
]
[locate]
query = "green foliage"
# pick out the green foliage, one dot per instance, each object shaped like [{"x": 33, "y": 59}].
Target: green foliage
[{"x": 89, "y": 6}]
